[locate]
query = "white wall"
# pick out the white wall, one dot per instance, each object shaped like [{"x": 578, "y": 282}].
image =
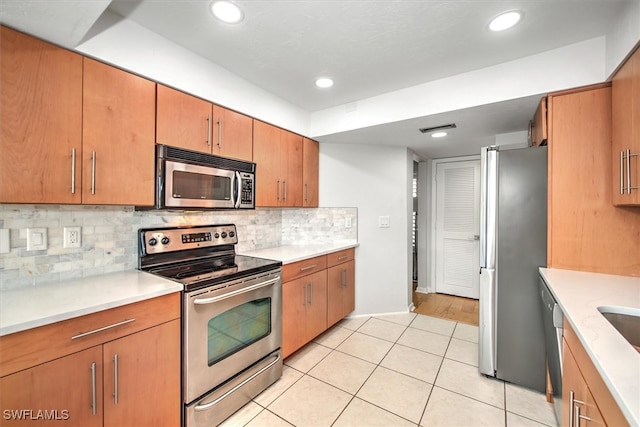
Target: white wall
[
  {"x": 376, "y": 180},
  {"x": 622, "y": 36},
  {"x": 132, "y": 47}
]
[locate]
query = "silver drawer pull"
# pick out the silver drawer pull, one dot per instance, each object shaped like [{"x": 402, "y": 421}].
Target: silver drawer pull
[
  {"x": 206, "y": 406},
  {"x": 309, "y": 267},
  {"x": 202, "y": 301},
  {"x": 340, "y": 258},
  {"x": 104, "y": 328}
]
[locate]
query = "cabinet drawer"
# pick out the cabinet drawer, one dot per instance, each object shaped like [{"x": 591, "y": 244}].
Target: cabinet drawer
[
  {"x": 39, "y": 345},
  {"x": 336, "y": 258},
  {"x": 303, "y": 268}
]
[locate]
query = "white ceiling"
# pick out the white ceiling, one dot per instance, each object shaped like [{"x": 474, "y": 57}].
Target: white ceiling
[{"x": 369, "y": 47}]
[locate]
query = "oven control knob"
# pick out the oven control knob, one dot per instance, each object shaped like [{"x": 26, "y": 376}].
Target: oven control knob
[
  {"x": 153, "y": 241},
  {"x": 164, "y": 240},
  {"x": 232, "y": 234},
  {"x": 217, "y": 235},
  {"x": 224, "y": 234}
]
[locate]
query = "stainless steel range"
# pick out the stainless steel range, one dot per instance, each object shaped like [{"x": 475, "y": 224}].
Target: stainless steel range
[{"x": 232, "y": 316}]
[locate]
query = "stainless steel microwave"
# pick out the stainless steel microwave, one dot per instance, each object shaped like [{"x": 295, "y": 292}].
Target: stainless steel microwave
[{"x": 192, "y": 180}]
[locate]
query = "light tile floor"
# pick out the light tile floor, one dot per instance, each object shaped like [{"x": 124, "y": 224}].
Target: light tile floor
[{"x": 396, "y": 370}]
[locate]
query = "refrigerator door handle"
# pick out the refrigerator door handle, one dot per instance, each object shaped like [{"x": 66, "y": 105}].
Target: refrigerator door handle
[
  {"x": 487, "y": 330},
  {"x": 488, "y": 206}
]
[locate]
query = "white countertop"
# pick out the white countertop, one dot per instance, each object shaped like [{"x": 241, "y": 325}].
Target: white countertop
[
  {"x": 292, "y": 253},
  {"x": 579, "y": 294},
  {"x": 34, "y": 306}
]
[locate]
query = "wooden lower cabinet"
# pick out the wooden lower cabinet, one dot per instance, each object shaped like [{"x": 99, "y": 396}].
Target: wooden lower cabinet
[
  {"x": 340, "y": 291},
  {"x": 80, "y": 387},
  {"x": 56, "y": 391},
  {"x": 586, "y": 400},
  {"x": 304, "y": 310}
]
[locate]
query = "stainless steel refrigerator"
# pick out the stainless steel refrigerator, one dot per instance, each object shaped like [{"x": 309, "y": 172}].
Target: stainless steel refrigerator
[{"x": 513, "y": 244}]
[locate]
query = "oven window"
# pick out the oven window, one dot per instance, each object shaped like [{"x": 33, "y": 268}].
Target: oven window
[
  {"x": 188, "y": 185},
  {"x": 238, "y": 328}
]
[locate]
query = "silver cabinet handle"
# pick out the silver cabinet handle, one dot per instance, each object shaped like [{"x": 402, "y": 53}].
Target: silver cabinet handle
[
  {"x": 93, "y": 388},
  {"x": 343, "y": 273},
  {"x": 208, "y": 141},
  {"x": 340, "y": 258},
  {"x": 104, "y": 328},
  {"x": 220, "y": 133},
  {"x": 310, "y": 293},
  {"x": 306, "y": 192},
  {"x": 628, "y": 171},
  {"x": 115, "y": 379},
  {"x": 93, "y": 172},
  {"x": 305, "y": 294},
  {"x": 278, "y": 190},
  {"x": 622, "y": 172},
  {"x": 73, "y": 171},
  {"x": 308, "y": 267},
  {"x": 202, "y": 301},
  {"x": 284, "y": 186},
  {"x": 206, "y": 406},
  {"x": 579, "y": 417},
  {"x": 571, "y": 405}
]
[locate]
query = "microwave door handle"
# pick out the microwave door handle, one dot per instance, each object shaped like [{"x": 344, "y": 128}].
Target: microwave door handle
[{"x": 235, "y": 184}]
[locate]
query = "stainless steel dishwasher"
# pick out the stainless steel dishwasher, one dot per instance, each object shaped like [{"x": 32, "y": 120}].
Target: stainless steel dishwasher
[{"x": 552, "y": 318}]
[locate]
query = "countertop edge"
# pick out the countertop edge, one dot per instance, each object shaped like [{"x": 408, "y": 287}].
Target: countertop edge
[
  {"x": 302, "y": 251},
  {"x": 580, "y": 329}
]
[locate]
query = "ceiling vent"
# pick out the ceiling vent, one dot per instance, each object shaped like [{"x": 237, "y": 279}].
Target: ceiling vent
[{"x": 438, "y": 128}]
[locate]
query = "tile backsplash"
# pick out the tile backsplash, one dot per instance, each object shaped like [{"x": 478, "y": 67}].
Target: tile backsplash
[{"x": 109, "y": 236}]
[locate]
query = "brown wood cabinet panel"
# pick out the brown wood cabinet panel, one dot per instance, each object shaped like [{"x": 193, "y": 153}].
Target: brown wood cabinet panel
[
  {"x": 291, "y": 167},
  {"x": 340, "y": 291},
  {"x": 302, "y": 268},
  {"x": 294, "y": 311},
  {"x": 606, "y": 405},
  {"x": 28, "y": 348},
  {"x": 266, "y": 155},
  {"x": 148, "y": 378},
  {"x": 234, "y": 134},
  {"x": 310, "y": 172},
  {"x": 317, "y": 304},
  {"x": 626, "y": 133},
  {"x": 41, "y": 110},
  {"x": 118, "y": 137},
  {"x": 339, "y": 257},
  {"x": 64, "y": 384},
  {"x": 585, "y": 231},
  {"x": 183, "y": 120}
]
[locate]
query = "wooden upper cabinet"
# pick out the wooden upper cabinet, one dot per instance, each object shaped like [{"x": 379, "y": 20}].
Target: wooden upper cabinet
[
  {"x": 278, "y": 156},
  {"x": 41, "y": 126},
  {"x": 538, "y": 126},
  {"x": 118, "y": 136},
  {"x": 585, "y": 231},
  {"x": 310, "y": 172},
  {"x": 183, "y": 120},
  {"x": 626, "y": 133},
  {"x": 192, "y": 123},
  {"x": 234, "y": 134}
]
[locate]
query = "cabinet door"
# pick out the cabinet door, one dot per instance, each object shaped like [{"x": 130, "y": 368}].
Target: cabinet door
[
  {"x": 69, "y": 388},
  {"x": 183, "y": 120},
  {"x": 234, "y": 134},
  {"x": 291, "y": 169},
  {"x": 266, "y": 155},
  {"x": 294, "y": 307},
  {"x": 310, "y": 172},
  {"x": 625, "y": 132},
  {"x": 147, "y": 374},
  {"x": 41, "y": 126},
  {"x": 316, "y": 318},
  {"x": 340, "y": 291},
  {"x": 118, "y": 136}
]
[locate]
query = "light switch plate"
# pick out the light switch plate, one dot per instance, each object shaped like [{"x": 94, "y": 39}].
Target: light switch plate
[
  {"x": 5, "y": 241},
  {"x": 383, "y": 222},
  {"x": 36, "y": 239}
]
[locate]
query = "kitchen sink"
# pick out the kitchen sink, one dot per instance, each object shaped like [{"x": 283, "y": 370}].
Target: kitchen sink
[{"x": 626, "y": 320}]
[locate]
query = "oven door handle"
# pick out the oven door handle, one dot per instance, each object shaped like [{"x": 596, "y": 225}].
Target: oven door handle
[
  {"x": 206, "y": 406},
  {"x": 202, "y": 301}
]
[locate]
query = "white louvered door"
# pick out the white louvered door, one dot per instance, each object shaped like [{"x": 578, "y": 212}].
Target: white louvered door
[{"x": 458, "y": 228}]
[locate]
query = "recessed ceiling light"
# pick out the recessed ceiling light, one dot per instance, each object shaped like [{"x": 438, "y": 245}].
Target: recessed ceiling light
[
  {"x": 227, "y": 11},
  {"x": 324, "y": 82},
  {"x": 438, "y": 134},
  {"x": 505, "y": 21}
]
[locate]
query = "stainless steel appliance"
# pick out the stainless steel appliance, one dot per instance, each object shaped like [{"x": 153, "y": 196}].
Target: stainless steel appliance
[
  {"x": 231, "y": 318},
  {"x": 552, "y": 319},
  {"x": 513, "y": 244},
  {"x": 192, "y": 180}
]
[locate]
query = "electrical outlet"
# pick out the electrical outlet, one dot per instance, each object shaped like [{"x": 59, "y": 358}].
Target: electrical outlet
[{"x": 72, "y": 237}]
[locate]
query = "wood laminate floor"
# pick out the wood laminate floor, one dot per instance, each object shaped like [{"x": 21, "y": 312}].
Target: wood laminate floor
[{"x": 464, "y": 310}]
